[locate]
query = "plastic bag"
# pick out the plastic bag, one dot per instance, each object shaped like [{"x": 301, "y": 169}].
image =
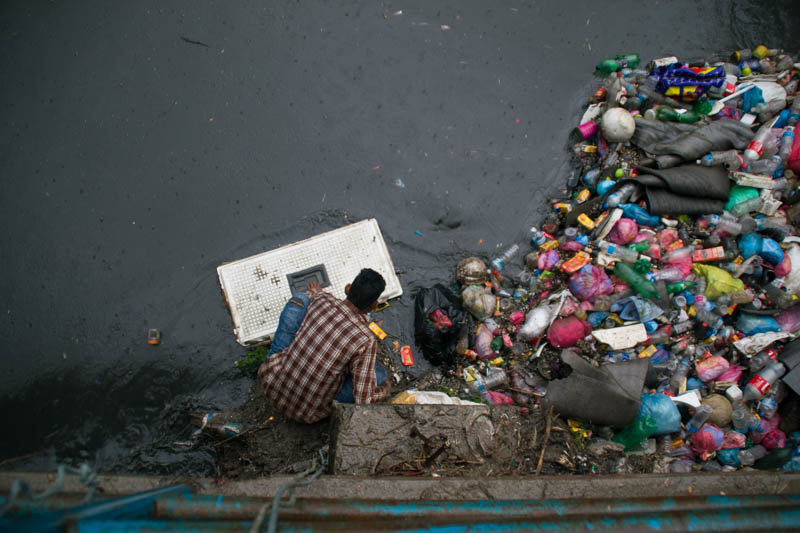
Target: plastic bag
[
  {"x": 729, "y": 457},
  {"x": 710, "y": 368},
  {"x": 774, "y": 439},
  {"x": 732, "y": 375},
  {"x": 770, "y": 251},
  {"x": 418, "y": 397},
  {"x": 483, "y": 343},
  {"x": 516, "y": 318},
  {"x": 707, "y": 440},
  {"x": 624, "y": 231},
  {"x": 750, "y": 244},
  {"x": 739, "y": 194},
  {"x": 667, "y": 236},
  {"x": 536, "y": 322},
  {"x": 565, "y": 332},
  {"x": 734, "y": 439},
  {"x": 663, "y": 410},
  {"x": 590, "y": 282},
  {"x": 437, "y": 340},
  {"x": 789, "y": 320},
  {"x": 547, "y": 260},
  {"x": 718, "y": 281},
  {"x": 784, "y": 267},
  {"x": 479, "y": 301},
  {"x": 792, "y": 281},
  {"x": 498, "y": 398},
  {"x": 751, "y": 324}
]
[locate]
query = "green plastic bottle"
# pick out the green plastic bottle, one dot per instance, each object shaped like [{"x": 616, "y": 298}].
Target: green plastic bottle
[
  {"x": 668, "y": 114},
  {"x": 613, "y": 64},
  {"x": 679, "y": 286},
  {"x": 641, "y": 246},
  {"x": 639, "y": 283},
  {"x": 633, "y": 435}
]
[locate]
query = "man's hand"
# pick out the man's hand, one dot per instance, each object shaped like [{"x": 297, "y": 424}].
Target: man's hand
[{"x": 313, "y": 288}]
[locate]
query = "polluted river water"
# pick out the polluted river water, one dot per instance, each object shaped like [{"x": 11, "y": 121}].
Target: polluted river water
[{"x": 144, "y": 145}]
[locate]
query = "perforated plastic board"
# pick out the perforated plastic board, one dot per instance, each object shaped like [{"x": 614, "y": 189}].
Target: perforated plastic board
[{"x": 256, "y": 288}]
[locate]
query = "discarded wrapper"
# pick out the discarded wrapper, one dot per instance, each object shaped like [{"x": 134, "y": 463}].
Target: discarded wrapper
[
  {"x": 405, "y": 356},
  {"x": 622, "y": 337}
]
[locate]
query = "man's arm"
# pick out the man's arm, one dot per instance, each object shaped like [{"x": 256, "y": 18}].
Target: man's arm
[{"x": 362, "y": 368}]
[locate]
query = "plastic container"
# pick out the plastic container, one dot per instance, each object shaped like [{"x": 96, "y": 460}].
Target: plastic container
[
  {"x": 756, "y": 146},
  {"x": 763, "y": 380},
  {"x": 619, "y": 252},
  {"x": 636, "y": 281}
]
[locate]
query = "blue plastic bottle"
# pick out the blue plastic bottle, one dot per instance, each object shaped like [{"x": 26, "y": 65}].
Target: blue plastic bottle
[{"x": 640, "y": 215}]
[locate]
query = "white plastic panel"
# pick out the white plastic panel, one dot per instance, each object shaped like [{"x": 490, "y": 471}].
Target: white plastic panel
[{"x": 256, "y": 288}]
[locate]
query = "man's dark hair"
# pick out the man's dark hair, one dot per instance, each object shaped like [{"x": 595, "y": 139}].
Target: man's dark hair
[{"x": 366, "y": 289}]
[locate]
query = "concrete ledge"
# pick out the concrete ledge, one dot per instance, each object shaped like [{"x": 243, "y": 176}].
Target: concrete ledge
[{"x": 402, "y": 488}]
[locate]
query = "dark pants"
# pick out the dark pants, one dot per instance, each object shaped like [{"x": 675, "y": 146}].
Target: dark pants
[{"x": 291, "y": 318}]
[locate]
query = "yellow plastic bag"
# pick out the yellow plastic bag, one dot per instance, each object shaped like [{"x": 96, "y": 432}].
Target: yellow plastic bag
[{"x": 718, "y": 281}]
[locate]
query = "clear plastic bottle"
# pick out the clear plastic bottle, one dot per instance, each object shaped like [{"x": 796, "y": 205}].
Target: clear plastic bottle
[
  {"x": 741, "y": 417},
  {"x": 621, "y": 195},
  {"x": 749, "y": 456},
  {"x": 679, "y": 254},
  {"x": 756, "y": 147},
  {"x": 670, "y": 274},
  {"x": 730, "y": 158},
  {"x": 677, "y": 383},
  {"x": 786, "y": 143},
  {"x": 763, "y": 380},
  {"x": 701, "y": 414},
  {"x": 619, "y": 252},
  {"x": 794, "y": 112},
  {"x": 765, "y": 166},
  {"x": 773, "y": 223},
  {"x": 537, "y": 237},
  {"x": 499, "y": 263},
  {"x": 748, "y": 206},
  {"x": 768, "y": 407},
  {"x": 682, "y": 327}
]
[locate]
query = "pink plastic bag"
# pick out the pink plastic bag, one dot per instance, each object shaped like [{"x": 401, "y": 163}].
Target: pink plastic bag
[
  {"x": 667, "y": 237},
  {"x": 590, "y": 282},
  {"x": 547, "y": 260},
  {"x": 654, "y": 251},
  {"x": 711, "y": 367},
  {"x": 708, "y": 439},
  {"x": 685, "y": 266},
  {"x": 767, "y": 425},
  {"x": 774, "y": 439},
  {"x": 483, "y": 342},
  {"x": 498, "y": 398},
  {"x": 565, "y": 332},
  {"x": 570, "y": 246},
  {"x": 516, "y": 318},
  {"x": 784, "y": 267},
  {"x": 734, "y": 439},
  {"x": 789, "y": 319},
  {"x": 733, "y": 374},
  {"x": 624, "y": 231}
]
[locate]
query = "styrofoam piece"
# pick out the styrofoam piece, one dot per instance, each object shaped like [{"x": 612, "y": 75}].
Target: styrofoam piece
[
  {"x": 257, "y": 287},
  {"x": 753, "y": 180}
]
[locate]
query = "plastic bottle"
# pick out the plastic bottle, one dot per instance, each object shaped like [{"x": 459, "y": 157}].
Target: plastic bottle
[
  {"x": 677, "y": 383},
  {"x": 537, "y": 237},
  {"x": 614, "y": 64},
  {"x": 710, "y": 318},
  {"x": 763, "y": 380},
  {"x": 786, "y": 143},
  {"x": 635, "y": 280},
  {"x": 682, "y": 327},
  {"x": 640, "y": 429},
  {"x": 492, "y": 381},
  {"x": 748, "y": 206},
  {"x": 741, "y": 418},
  {"x": 668, "y": 114},
  {"x": 768, "y": 407},
  {"x": 619, "y": 252},
  {"x": 216, "y": 423},
  {"x": 765, "y": 166},
  {"x": 701, "y": 414},
  {"x": 679, "y": 286},
  {"x": 756, "y": 146},
  {"x": 670, "y": 274},
  {"x": 794, "y": 112},
  {"x": 499, "y": 263},
  {"x": 621, "y": 195},
  {"x": 640, "y": 215},
  {"x": 730, "y": 158},
  {"x": 749, "y": 456}
]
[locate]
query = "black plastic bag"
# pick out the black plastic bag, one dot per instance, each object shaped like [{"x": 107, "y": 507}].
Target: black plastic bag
[{"x": 438, "y": 343}]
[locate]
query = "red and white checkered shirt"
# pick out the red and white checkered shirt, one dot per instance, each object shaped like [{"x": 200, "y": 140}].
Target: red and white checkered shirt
[{"x": 303, "y": 379}]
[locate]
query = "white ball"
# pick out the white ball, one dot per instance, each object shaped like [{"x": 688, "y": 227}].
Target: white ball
[{"x": 617, "y": 125}]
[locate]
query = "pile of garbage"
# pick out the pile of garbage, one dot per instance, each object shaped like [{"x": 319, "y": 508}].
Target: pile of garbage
[{"x": 658, "y": 306}]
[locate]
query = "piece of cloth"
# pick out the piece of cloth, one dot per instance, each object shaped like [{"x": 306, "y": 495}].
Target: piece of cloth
[
  {"x": 290, "y": 320},
  {"x": 684, "y": 190},
  {"x": 346, "y": 392},
  {"x": 303, "y": 379}
]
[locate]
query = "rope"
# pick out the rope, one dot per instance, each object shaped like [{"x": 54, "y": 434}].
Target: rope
[
  {"x": 315, "y": 470},
  {"x": 20, "y": 490}
]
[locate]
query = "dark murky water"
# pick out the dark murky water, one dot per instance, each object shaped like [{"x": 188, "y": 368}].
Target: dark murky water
[{"x": 134, "y": 162}]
